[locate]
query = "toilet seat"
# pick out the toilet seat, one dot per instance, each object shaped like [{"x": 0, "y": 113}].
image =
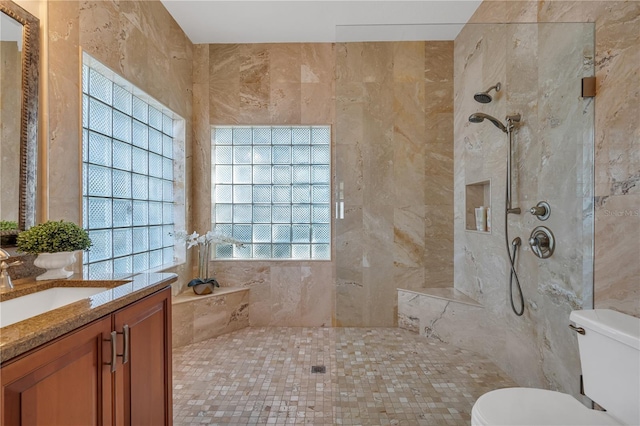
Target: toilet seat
[{"x": 528, "y": 406}]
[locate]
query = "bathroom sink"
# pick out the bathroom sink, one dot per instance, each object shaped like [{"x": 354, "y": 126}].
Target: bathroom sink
[{"x": 21, "y": 308}]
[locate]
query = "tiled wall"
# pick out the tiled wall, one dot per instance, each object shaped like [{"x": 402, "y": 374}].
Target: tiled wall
[
  {"x": 137, "y": 39},
  {"x": 394, "y": 155},
  {"x": 392, "y": 151},
  {"x": 617, "y": 144},
  {"x": 548, "y": 165},
  {"x": 196, "y": 318},
  {"x": 264, "y": 84},
  {"x": 538, "y": 349}
]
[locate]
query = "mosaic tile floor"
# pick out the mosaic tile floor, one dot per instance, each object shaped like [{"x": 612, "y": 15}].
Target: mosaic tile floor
[{"x": 380, "y": 376}]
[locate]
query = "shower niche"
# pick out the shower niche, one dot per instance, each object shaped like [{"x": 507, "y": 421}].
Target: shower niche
[{"x": 478, "y": 207}]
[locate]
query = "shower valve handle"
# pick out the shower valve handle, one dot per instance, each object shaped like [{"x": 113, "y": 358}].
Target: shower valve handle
[
  {"x": 542, "y": 210},
  {"x": 537, "y": 211},
  {"x": 540, "y": 241}
]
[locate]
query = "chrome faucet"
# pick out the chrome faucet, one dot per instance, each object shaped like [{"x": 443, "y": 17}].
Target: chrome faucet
[{"x": 5, "y": 279}]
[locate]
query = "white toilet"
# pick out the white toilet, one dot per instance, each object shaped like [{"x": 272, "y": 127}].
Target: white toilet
[{"x": 610, "y": 358}]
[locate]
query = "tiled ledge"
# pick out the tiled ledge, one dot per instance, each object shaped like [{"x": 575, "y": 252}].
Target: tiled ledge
[
  {"x": 424, "y": 311},
  {"x": 190, "y": 296},
  {"x": 450, "y": 316},
  {"x": 197, "y": 318},
  {"x": 446, "y": 293}
]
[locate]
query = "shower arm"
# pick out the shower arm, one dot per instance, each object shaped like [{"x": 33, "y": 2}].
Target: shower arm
[{"x": 510, "y": 126}]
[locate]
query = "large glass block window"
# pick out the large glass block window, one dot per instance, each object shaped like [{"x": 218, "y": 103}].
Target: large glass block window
[
  {"x": 128, "y": 176},
  {"x": 271, "y": 190}
]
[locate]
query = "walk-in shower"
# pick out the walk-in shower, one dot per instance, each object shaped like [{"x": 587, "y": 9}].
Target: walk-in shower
[
  {"x": 411, "y": 174},
  {"x": 512, "y": 251}
]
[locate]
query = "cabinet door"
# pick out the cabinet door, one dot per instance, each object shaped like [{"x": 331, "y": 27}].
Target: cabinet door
[
  {"x": 143, "y": 383},
  {"x": 65, "y": 382}
]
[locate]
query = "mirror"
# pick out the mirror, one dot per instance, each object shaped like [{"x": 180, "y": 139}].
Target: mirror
[{"x": 19, "y": 54}]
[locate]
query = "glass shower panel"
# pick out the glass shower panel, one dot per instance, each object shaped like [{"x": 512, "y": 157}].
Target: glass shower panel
[
  {"x": 405, "y": 151},
  {"x": 394, "y": 168}
]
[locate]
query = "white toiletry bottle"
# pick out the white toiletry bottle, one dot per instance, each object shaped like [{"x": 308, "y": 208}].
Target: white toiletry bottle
[
  {"x": 481, "y": 218},
  {"x": 488, "y": 219}
]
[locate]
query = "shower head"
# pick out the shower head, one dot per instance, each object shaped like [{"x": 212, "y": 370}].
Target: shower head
[
  {"x": 479, "y": 117},
  {"x": 485, "y": 97}
]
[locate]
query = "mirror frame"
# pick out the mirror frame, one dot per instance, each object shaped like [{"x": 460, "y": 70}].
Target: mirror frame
[{"x": 29, "y": 112}]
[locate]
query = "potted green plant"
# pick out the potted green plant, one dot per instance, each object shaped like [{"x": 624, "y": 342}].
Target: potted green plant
[
  {"x": 55, "y": 243},
  {"x": 8, "y": 225},
  {"x": 8, "y": 232}
]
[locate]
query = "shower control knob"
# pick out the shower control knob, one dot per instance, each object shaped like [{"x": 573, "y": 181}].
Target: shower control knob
[
  {"x": 542, "y": 242},
  {"x": 542, "y": 210},
  {"x": 537, "y": 211}
]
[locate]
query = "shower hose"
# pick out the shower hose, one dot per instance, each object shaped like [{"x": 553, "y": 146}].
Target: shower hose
[{"x": 512, "y": 261}]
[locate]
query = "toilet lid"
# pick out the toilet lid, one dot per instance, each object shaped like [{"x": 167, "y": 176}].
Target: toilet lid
[{"x": 528, "y": 406}]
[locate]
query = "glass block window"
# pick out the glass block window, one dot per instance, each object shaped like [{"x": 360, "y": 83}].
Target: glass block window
[
  {"x": 272, "y": 191},
  {"x": 128, "y": 208}
]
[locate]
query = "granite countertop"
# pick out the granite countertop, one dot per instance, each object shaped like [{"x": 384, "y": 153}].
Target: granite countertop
[{"x": 18, "y": 338}]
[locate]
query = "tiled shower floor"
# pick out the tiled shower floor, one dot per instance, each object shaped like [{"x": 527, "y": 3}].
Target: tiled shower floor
[{"x": 380, "y": 376}]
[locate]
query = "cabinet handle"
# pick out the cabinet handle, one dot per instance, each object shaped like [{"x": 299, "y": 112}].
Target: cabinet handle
[
  {"x": 125, "y": 355},
  {"x": 114, "y": 354},
  {"x": 114, "y": 348}
]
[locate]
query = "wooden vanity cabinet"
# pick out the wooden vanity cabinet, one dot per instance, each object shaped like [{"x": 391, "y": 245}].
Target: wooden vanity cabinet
[
  {"x": 143, "y": 383},
  {"x": 70, "y": 381},
  {"x": 62, "y": 382}
]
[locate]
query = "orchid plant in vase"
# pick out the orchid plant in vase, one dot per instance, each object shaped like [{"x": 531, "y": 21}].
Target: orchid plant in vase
[{"x": 204, "y": 284}]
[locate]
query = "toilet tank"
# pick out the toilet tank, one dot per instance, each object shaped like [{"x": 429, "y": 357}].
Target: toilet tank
[{"x": 610, "y": 359}]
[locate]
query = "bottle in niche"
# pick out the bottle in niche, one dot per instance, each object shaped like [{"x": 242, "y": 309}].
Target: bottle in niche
[
  {"x": 481, "y": 218},
  {"x": 488, "y": 219}
]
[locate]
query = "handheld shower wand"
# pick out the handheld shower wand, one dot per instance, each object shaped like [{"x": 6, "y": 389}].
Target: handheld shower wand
[
  {"x": 511, "y": 120},
  {"x": 479, "y": 117}
]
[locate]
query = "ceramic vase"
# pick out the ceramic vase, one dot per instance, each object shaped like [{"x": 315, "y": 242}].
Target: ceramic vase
[
  {"x": 55, "y": 264},
  {"x": 203, "y": 261},
  {"x": 203, "y": 284}
]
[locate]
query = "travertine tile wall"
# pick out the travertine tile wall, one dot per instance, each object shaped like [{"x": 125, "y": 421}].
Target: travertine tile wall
[
  {"x": 264, "y": 84},
  {"x": 138, "y": 40},
  {"x": 394, "y": 155},
  {"x": 197, "y": 318},
  {"x": 538, "y": 349},
  {"x": 392, "y": 151},
  {"x": 617, "y": 135}
]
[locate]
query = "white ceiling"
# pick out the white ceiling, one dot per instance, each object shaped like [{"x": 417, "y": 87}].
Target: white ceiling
[{"x": 263, "y": 21}]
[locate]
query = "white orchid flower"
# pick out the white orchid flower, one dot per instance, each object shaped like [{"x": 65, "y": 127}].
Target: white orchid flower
[{"x": 215, "y": 237}]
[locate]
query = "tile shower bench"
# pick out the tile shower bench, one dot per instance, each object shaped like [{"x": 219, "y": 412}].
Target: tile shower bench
[
  {"x": 443, "y": 314},
  {"x": 197, "y": 318}
]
